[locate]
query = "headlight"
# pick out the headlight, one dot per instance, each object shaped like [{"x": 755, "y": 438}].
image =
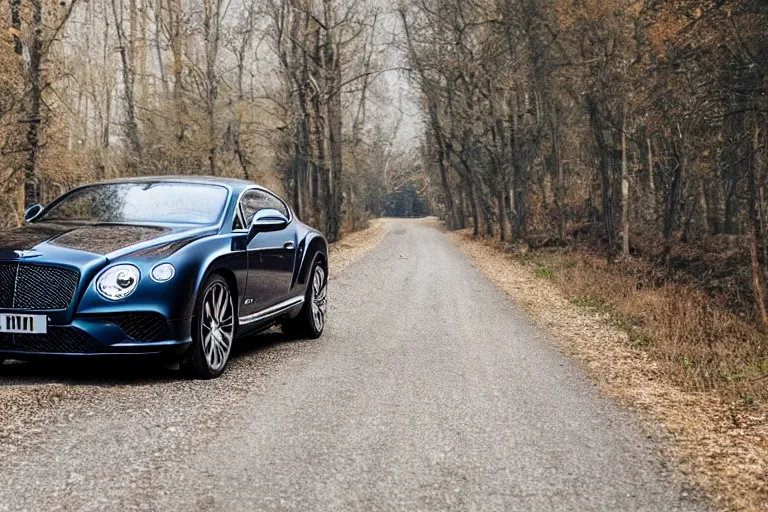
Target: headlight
[
  {"x": 163, "y": 272},
  {"x": 118, "y": 282}
]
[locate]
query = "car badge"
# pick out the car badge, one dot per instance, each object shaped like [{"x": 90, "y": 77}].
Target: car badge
[{"x": 26, "y": 254}]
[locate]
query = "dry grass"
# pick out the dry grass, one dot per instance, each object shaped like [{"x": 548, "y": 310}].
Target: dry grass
[
  {"x": 721, "y": 442},
  {"x": 701, "y": 344},
  {"x": 354, "y": 245}
]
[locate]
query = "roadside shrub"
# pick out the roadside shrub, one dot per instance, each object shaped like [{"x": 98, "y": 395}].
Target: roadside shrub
[{"x": 698, "y": 340}]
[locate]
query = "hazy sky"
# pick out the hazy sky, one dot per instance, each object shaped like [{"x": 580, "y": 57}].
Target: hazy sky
[{"x": 400, "y": 97}]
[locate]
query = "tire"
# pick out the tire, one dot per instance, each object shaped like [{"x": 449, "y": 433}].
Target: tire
[
  {"x": 311, "y": 320},
  {"x": 213, "y": 330}
]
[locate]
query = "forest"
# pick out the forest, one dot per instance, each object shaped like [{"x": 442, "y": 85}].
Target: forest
[
  {"x": 629, "y": 129},
  {"x": 278, "y": 92},
  {"x": 603, "y": 163}
]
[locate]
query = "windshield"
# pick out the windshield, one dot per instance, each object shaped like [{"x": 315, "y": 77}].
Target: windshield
[{"x": 186, "y": 203}]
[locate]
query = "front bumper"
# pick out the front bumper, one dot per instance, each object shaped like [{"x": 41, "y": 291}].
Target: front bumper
[{"x": 103, "y": 335}]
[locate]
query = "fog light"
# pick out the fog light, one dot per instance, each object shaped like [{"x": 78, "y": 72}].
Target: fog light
[{"x": 163, "y": 272}]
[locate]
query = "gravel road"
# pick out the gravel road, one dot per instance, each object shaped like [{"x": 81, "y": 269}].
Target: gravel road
[{"x": 430, "y": 390}]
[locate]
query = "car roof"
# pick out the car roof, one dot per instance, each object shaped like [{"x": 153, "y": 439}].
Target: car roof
[
  {"x": 213, "y": 180},
  {"x": 235, "y": 184}
]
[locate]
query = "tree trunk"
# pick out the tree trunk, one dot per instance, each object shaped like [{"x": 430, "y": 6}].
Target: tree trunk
[
  {"x": 159, "y": 48},
  {"x": 107, "y": 117},
  {"x": 624, "y": 190},
  {"x": 651, "y": 182},
  {"x": 334, "y": 145},
  {"x": 321, "y": 184},
  {"x": 519, "y": 177},
  {"x": 673, "y": 198},
  {"x": 605, "y": 163},
  {"x": 33, "y": 118},
  {"x": 176, "y": 41},
  {"x": 754, "y": 230},
  {"x": 332, "y": 61},
  {"x": 762, "y": 218},
  {"x": 211, "y": 35},
  {"x": 501, "y": 205},
  {"x": 473, "y": 209},
  {"x": 131, "y": 127},
  {"x": 559, "y": 175},
  {"x": 16, "y": 25}
]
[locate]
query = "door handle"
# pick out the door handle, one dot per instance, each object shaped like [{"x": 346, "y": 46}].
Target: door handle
[{"x": 289, "y": 246}]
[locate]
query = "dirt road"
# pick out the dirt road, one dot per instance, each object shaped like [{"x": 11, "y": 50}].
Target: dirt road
[{"x": 430, "y": 390}]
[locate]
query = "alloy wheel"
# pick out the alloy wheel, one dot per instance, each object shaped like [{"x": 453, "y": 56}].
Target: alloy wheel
[
  {"x": 217, "y": 326},
  {"x": 319, "y": 298}
]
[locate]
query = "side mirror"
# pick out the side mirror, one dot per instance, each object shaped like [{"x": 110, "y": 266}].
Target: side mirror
[
  {"x": 266, "y": 220},
  {"x": 32, "y": 212}
]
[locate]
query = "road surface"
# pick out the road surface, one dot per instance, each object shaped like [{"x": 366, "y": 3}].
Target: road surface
[{"x": 430, "y": 390}]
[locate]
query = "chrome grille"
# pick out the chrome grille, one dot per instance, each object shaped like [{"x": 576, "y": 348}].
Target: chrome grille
[
  {"x": 7, "y": 284},
  {"x": 30, "y": 286}
]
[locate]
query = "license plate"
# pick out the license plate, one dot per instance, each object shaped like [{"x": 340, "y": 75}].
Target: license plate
[{"x": 31, "y": 324}]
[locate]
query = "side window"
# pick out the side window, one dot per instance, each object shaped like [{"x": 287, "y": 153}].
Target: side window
[
  {"x": 238, "y": 223},
  {"x": 255, "y": 200},
  {"x": 278, "y": 205}
]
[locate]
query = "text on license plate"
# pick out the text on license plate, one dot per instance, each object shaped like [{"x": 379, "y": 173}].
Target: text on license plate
[{"x": 36, "y": 324}]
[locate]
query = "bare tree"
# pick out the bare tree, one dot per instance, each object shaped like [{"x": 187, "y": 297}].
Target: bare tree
[{"x": 125, "y": 47}]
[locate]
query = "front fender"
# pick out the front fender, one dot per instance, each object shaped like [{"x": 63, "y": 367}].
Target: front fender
[{"x": 175, "y": 298}]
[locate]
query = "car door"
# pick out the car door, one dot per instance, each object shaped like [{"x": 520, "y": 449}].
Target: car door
[{"x": 271, "y": 255}]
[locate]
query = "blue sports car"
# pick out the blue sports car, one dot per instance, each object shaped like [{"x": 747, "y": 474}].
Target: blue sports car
[{"x": 178, "y": 267}]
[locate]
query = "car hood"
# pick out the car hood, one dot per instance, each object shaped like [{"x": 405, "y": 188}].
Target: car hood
[{"x": 47, "y": 240}]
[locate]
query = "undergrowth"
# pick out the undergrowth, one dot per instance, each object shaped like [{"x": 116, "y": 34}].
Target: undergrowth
[{"x": 698, "y": 341}]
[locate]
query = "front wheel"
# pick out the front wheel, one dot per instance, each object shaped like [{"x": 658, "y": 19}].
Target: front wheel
[
  {"x": 213, "y": 330},
  {"x": 310, "y": 321}
]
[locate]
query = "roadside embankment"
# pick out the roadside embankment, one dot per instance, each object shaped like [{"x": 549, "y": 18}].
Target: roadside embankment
[{"x": 355, "y": 245}]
